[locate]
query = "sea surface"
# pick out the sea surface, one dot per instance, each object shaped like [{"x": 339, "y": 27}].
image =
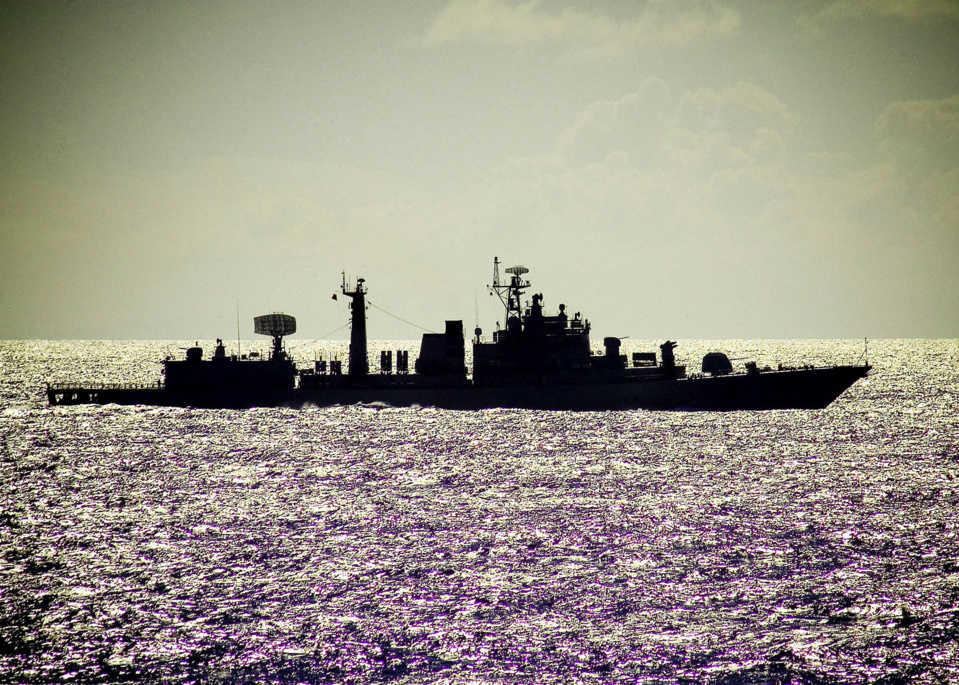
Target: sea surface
[{"x": 372, "y": 544}]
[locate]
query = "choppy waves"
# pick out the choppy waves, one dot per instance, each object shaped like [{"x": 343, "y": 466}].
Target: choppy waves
[{"x": 363, "y": 544}]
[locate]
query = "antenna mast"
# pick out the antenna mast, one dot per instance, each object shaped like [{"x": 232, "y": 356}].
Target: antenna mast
[
  {"x": 510, "y": 293},
  {"x": 238, "y": 351}
]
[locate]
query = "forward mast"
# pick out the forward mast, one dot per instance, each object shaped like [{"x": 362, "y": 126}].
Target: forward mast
[
  {"x": 510, "y": 293},
  {"x": 358, "y": 366}
]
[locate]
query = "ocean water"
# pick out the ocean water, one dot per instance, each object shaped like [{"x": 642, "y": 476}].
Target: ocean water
[{"x": 372, "y": 544}]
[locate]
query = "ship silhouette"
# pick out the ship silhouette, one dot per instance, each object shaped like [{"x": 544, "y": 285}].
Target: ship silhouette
[{"x": 534, "y": 360}]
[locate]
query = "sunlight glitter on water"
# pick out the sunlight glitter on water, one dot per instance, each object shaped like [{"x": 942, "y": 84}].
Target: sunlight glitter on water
[{"x": 357, "y": 544}]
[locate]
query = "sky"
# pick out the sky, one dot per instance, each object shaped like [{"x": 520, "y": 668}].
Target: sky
[{"x": 670, "y": 168}]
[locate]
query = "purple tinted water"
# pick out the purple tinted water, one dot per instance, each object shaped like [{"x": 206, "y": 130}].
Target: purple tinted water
[{"x": 360, "y": 544}]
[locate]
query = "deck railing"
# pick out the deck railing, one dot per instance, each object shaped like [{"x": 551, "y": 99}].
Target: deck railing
[{"x": 63, "y": 386}]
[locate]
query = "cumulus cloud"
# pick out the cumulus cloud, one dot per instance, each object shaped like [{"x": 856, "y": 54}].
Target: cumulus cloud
[
  {"x": 708, "y": 184},
  {"x": 705, "y": 129},
  {"x": 632, "y": 124},
  {"x": 752, "y": 122},
  {"x": 677, "y": 179},
  {"x": 921, "y": 135},
  {"x": 590, "y": 33}
]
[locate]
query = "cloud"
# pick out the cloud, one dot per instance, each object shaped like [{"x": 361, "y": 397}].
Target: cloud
[
  {"x": 706, "y": 192},
  {"x": 921, "y": 135},
  {"x": 910, "y": 10},
  {"x": 755, "y": 121},
  {"x": 706, "y": 129},
  {"x": 632, "y": 124},
  {"x": 674, "y": 179},
  {"x": 589, "y": 33}
]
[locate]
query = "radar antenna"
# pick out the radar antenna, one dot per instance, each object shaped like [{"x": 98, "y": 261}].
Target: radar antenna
[
  {"x": 509, "y": 294},
  {"x": 275, "y": 325}
]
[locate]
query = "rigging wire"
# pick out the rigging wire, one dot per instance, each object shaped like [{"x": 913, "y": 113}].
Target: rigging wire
[
  {"x": 409, "y": 323},
  {"x": 323, "y": 339},
  {"x": 335, "y": 330}
]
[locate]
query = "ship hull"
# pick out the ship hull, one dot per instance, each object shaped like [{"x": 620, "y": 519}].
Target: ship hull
[{"x": 813, "y": 388}]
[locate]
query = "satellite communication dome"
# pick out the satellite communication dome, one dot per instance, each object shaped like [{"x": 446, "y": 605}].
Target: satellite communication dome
[
  {"x": 717, "y": 364},
  {"x": 276, "y": 325}
]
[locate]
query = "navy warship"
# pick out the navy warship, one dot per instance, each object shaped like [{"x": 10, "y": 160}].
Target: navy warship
[{"x": 534, "y": 360}]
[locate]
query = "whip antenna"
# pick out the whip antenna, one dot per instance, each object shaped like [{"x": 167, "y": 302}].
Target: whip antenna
[{"x": 238, "y": 351}]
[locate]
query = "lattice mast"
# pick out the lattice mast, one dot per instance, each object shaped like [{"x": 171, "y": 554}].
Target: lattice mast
[{"x": 510, "y": 293}]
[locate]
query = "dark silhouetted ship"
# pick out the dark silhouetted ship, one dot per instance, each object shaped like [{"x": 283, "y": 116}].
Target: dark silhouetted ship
[{"x": 533, "y": 361}]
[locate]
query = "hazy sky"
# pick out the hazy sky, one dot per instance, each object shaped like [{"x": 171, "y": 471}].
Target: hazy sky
[{"x": 671, "y": 168}]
